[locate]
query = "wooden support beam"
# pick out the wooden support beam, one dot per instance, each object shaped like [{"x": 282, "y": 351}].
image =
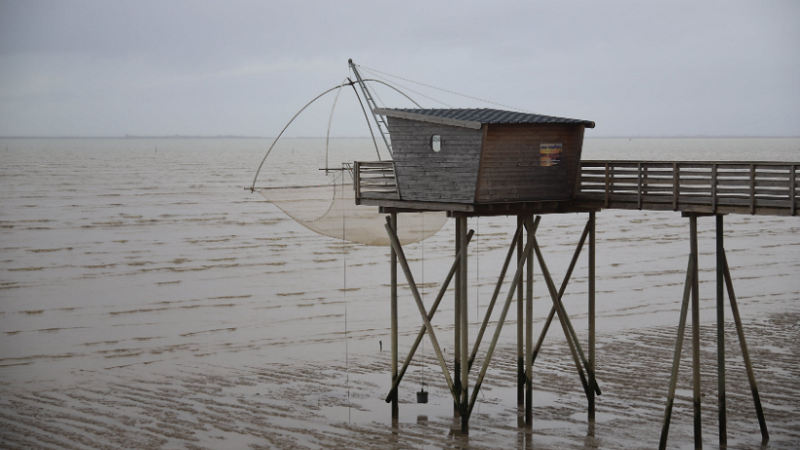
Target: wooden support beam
[
  {"x": 520, "y": 325},
  {"x": 457, "y": 323},
  {"x": 673, "y": 380},
  {"x": 500, "y": 322},
  {"x": 562, "y": 316},
  {"x": 394, "y": 339},
  {"x": 529, "y": 330},
  {"x": 721, "y": 400},
  {"x": 698, "y": 428},
  {"x": 592, "y": 378},
  {"x": 431, "y": 313},
  {"x": 762, "y": 423},
  {"x": 517, "y": 238},
  {"x": 462, "y": 237},
  {"x": 413, "y": 286}
]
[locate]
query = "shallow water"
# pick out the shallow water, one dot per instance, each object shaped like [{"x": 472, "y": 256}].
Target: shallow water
[{"x": 147, "y": 300}]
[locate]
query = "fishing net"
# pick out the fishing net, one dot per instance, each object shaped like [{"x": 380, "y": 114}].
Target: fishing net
[{"x": 330, "y": 210}]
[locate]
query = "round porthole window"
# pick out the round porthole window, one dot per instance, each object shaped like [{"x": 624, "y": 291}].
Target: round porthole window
[{"x": 436, "y": 142}]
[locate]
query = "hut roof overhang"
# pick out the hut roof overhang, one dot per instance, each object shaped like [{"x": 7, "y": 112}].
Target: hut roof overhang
[{"x": 476, "y": 117}]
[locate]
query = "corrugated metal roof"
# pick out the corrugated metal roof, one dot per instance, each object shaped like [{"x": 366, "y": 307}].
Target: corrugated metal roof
[{"x": 482, "y": 115}]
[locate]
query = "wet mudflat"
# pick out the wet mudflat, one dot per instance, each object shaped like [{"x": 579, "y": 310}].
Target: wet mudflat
[{"x": 147, "y": 301}]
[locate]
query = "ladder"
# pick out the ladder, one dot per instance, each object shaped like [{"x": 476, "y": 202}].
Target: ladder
[{"x": 380, "y": 120}]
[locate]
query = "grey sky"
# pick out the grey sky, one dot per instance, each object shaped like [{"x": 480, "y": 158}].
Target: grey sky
[{"x": 99, "y": 68}]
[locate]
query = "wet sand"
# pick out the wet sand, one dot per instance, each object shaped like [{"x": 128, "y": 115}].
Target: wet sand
[{"x": 149, "y": 302}]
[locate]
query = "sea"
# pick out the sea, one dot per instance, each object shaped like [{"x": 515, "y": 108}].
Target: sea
[{"x": 150, "y": 300}]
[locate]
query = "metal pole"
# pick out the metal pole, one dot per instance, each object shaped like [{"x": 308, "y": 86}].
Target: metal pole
[
  {"x": 698, "y": 432},
  {"x": 421, "y": 333},
  {"x": 529, "y": 331},
  {"x": 592, "y": 379},
  {"x": 413, "y": 286},
  {"x": 673, "y": 381},
  {"x": 520, "y": 325},
  {"x": 762, "y": 423},
  {"x": 462, "y": 237},
  {"x": 457, "y": 322},
  {"x": 393, "y": 256},
  {"x": 721, "y": 403}
]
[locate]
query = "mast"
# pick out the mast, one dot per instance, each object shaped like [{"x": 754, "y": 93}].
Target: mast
[{"x": 380, "y": 120}]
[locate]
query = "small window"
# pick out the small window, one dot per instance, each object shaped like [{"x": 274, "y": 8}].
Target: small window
[{"x": 436, "y": 142}]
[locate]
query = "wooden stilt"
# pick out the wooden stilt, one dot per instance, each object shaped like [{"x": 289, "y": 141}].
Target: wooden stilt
[
  {"x": 762, "y": 423},
  {"x": 418, "y": 299},
  {"x": 462, "y": 237},
  {"x": 457, "y": 322},
  {"x": 394, "y": 343},
  {"x": 520, "y": 325},
  {"x": 698, "y": 428},
  {"x": 431, "y": 313},
  {"x": 529, "y": 330},
  {"x": 673, "y": 381},
  {"x": 721, "y": 401},
  {"x": 592, "y": 378}
]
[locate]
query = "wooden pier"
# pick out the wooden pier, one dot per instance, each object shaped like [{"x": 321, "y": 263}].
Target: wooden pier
[
  {"x": 715, "y": 187},
  {"x": 694, "y": 188}
]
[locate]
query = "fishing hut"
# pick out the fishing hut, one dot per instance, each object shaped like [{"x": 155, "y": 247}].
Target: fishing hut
[
  {"x": 472, "y": 163},
  {"x": 484, "y": 162}
]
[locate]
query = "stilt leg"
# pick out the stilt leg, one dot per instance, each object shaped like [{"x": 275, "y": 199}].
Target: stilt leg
[
  {"x": 592, "y": 379},
  {"x": 762, "y": 423},
  {"x": 698, "y": 431},
  {"x": 520, "y": 326},
  {"x": 393, "y": 256},
  {"x": 462, "y": 237},
  {"x": 529, "y": 331},
  {"x": 721, "y": 402},
  {"x": 457, "y": 323},
  {"x": 673, "y": 380}
]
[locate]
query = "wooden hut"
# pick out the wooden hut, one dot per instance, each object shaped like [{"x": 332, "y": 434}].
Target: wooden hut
[{"x": 478, "y": 156}]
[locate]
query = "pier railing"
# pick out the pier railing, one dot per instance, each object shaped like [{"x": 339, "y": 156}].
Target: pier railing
[
  {"x": 375, "y": 180},
  {"x": 712, "y": 187}
]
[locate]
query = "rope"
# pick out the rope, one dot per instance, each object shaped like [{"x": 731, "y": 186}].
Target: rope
[
  {"x": 409, "y": 89},
  {"x": 330, "y": 119},
  {"x": 478, "y": 275},
  {"x": 367, "y": 119},
  {"x": 344, "y": 294},
  {"x": 444, "y": 90}
]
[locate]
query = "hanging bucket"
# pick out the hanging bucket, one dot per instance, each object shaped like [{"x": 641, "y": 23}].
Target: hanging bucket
[{"x": 422, "y": 395}]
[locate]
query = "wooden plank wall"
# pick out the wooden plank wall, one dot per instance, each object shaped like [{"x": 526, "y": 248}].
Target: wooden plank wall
[
  {"x": 424, "y": 175},
  {"x": 510, "y": 168}
]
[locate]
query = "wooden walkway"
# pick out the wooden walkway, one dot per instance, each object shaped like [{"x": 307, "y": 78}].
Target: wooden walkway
[{"x": 716, "y": 187}]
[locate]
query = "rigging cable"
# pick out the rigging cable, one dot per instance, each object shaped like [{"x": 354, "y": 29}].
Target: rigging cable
[
  {"x": 373, "y": 71},
  {"x": 344, "y": 292},
  {"x": 330, "y": 120},
  {"x": 408, "y": 88},
  {"x": 374, "y": 141}
]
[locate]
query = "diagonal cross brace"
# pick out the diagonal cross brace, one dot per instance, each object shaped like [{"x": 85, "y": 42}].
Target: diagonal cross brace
[
  {"x": 501, "y": 320},
  {"x": 497, "y": 288},
  {"x": 553, "y": 311},
  {"x": 401, "y": 257},
  {"x": 431, "y": 313},
  {"x": 562, "y": 316}
]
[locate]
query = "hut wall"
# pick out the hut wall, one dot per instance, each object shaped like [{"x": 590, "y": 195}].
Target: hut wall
[
  {"x": 449, "y": 175},
  {"x": 511, "y": 166}
]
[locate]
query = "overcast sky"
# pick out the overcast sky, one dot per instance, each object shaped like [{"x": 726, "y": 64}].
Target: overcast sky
[{"x": 102, "y": 68}]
